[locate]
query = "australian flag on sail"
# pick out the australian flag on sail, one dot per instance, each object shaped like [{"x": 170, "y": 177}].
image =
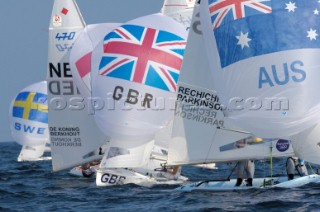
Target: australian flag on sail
[
  {"x": 249, "y": 28},
  {"x": 143, "y": 55},
  {"x": 31, "y": 106}
]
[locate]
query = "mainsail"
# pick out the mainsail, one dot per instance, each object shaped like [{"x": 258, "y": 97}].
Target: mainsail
[
  {"x": 306, "y": 144},
  {"x": 74, "y": 137},
  {"x": 180, "y": 10},
  {"x": 173, "y": 6},
  {"x": 264, "y": 58},
  {"x": 201, "y": 133}
]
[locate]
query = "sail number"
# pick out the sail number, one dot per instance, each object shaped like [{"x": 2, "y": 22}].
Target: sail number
[
  {"x": 111, "y": 179},
  {"x": 65, "y": 36}
]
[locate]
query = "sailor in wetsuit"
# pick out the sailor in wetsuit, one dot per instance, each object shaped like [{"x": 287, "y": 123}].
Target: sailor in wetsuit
[
  {"x": 245, "y": 168},
  {"x": 294, "y": 163}
]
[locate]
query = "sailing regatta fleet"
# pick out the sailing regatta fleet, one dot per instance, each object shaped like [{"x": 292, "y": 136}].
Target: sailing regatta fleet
[{"x": 146, "y": 96}]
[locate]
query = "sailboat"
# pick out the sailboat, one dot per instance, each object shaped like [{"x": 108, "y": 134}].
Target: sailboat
[
  {"x": 29, "y": 122},
  {"x": 80, "y": 65},
  {"x": 74, "y": 139},
  {"x": 35, "y": 153},
  {"x": 132, "y": 124},
  {"x": 202, "y": 133}
]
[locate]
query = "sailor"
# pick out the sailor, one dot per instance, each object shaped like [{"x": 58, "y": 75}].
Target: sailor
[
  {"x": 295, "y": 163},
  {"x": 89, "y": 169},
  {"x": 245, "y": 168},
  {"x": 171, "y": 173}
]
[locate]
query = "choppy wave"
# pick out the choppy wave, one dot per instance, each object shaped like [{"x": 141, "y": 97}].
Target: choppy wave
[{"x": 31, "y": 186}]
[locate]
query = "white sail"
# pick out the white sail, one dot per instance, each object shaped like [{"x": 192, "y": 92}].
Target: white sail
[
  {"x": 265, "y": 65},
  {"x": 173, "y": 6},
  {"x": 29, "y": 121},
  {"x": 201, "y": 133},
  {"x": 32, "y": 153},
  {"x": 306, "y": 144},
  {"x": 74, "y": 137},
  {"x": 28, "y": 115},
  {"x": 180, "y": 10},
  {"x": 137, "y": 104},
  {"x": 80, "y": 55},
  {"x": 126, "y": 156}
]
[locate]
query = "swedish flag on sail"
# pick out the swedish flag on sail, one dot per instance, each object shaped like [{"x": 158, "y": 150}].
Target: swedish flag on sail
[{"x": 31, "y": 106}]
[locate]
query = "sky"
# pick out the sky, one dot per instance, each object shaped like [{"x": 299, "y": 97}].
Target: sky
[{"x": 24, "y": 40}]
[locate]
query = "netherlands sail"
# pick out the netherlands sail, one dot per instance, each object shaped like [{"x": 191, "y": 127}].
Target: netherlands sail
[{"x": 74, "y": 139}]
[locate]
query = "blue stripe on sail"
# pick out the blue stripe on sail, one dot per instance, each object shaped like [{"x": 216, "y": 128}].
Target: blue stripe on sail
[
  {"x": 136, "y": 31},
  {"x": 17, "y": 112},
  {"x": 39, "y": 116},
  {"x": 269, "y": 33},
  {"x": 122, "y": 72},
  {"x": 164, "y": 36},
  {"x": 178, "y": 51},
  {"x": 22, "y": 96},
  {"x": 154, "y": 80},
  {"x": 41, "y": 98},
  {"x": 111, "y": 35},
  {"x": 105, "y": 61},
  {"x": 174, "y": 75}
]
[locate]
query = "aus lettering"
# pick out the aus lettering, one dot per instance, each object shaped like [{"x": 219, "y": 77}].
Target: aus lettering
[
  {"x": 282, "y": 75},
  {"x": 111, "y": 178},
  {"x": 28, "y": 128}
]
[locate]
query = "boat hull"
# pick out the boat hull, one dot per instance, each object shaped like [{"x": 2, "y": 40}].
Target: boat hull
[
  {"x": 258, "y": 183},
  {"x": 111, "y": 177}
]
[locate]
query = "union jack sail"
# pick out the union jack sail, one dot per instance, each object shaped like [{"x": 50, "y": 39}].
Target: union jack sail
[
  {"x": 228, "y": 10},
  {"x": 143, "y": 55}
]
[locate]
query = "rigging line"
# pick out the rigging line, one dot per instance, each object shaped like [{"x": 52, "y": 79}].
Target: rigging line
[
  {"x": 271, "y": 163},
  {"x": 311, "y": 168},
  {"x": 232, "y": 170},
  {"x": 211, "y": 144},
  {"x": 235, "y": 130}
]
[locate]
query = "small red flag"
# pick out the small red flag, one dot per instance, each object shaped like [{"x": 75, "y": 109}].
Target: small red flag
[{"x": 64, "y": 11}]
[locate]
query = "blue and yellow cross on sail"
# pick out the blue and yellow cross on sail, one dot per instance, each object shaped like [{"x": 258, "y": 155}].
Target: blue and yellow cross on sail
[
  {"x": 29, "y": 115},
  {"x": 31, "y": 106}
]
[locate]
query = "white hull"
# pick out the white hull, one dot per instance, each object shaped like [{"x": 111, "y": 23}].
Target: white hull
[
  {"x": 33, "y": 159},
  {"x": 113, "y": 177},
  {"x": 207, "y": 166},
  {"x": 258, "y": 183}
]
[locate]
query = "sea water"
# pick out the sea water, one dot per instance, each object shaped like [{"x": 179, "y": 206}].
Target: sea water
[{"x": 32, "y": 186}]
